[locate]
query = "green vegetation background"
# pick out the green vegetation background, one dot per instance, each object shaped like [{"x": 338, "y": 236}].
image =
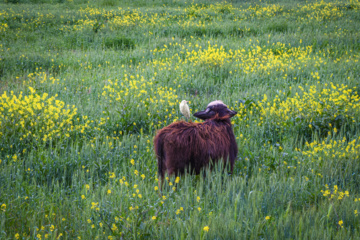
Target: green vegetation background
[{"x": 84, "y": 85}]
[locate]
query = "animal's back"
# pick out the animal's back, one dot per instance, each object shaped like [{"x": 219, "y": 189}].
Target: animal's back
[{"x": 190, "y": 144}]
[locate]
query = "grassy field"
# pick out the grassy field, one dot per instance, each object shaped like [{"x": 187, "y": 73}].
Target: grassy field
[{"x": 84, "y": 85}]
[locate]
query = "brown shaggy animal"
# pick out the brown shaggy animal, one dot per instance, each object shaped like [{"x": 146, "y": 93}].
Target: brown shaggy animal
[{"x": 183, "y": 144}]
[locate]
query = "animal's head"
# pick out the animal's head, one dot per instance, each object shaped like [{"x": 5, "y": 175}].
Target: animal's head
[
  {"x": 183, "y": 102},
  {"x": 215, "y": 110}
]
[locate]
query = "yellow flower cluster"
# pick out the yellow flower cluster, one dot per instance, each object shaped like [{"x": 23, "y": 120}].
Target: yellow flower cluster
[
  {"x": 29, "y": 19},
  {"x": 4, "y": 14},
  {"x": 268, "y": 11},
  {"x": 340, "y": 149},
  {"x": 95, "y": 205},
  {"x": 115, "y": 19},
  {"x": 85, "y": 24},
  {"x": 127, "y": 18},
  {"x": 223, "y": 7},
  {"x": 3, "y": 27},
  {"x": 253, "y": 59},
  {"x": 197, "y": 10},
  {"x": 93, "y": 12},
  {"x": 48, "y": 231},
  {"x": 178, "y": 211},
  {"x": 335, "y": 193},
  {"x": 321, "y": 108},
  {"x": 135, "y": 92},
  {"x": 195, "y": 15},
  {"x": 35, "y": 117},
  {"x": 210, "y": 57},
  {"x": 209, "y": 11},
  {"x": 320, "y": 11},
  {"x": 341, "y": 222}
]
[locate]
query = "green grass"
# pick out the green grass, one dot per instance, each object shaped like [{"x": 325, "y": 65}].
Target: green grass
[{"x": 81, "y": 165}]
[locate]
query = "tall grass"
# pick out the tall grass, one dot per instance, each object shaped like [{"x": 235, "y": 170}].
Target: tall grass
[{"x": 84, "y": 85}]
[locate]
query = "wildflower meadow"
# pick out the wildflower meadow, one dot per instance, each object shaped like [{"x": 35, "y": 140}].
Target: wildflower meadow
[{"x": 85, "y": 85}]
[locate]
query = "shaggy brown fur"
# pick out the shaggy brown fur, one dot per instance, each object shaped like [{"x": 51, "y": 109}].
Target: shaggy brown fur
[{"x": 183, "y": 144}]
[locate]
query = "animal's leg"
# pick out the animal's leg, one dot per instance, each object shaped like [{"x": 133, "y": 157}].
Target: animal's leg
[
  {"x": 161, "y": 177},
  {"x": 171, "y": 171},
  {"x": 160, "y": 184}
]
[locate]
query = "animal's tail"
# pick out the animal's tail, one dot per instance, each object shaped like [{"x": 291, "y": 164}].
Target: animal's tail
[{"x": 159, "y": 154}]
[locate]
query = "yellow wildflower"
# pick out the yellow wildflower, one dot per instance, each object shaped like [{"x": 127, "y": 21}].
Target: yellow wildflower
[
  {"x": 341, "y": 223},
  {"x": 177, "y": 179}
]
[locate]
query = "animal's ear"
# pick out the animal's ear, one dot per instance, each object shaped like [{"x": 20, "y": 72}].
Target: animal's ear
[{"x": 208, "y": 113}]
